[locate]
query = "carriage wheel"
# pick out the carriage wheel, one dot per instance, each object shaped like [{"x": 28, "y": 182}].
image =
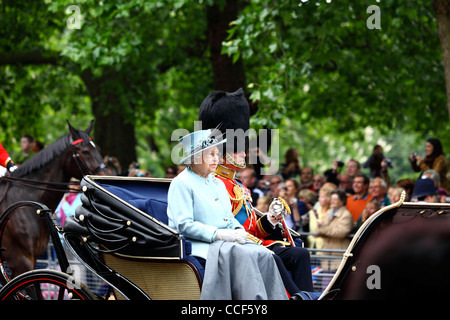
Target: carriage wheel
[{"x": 45, "y": 285}]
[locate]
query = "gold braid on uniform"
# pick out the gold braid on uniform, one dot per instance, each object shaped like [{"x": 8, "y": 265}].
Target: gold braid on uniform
[
  {"x": 239, "y": 198},
  {"x": 237, "y": 189},
  {"x": 230, "y": 160},
  {"x": 285, "y": 205}
]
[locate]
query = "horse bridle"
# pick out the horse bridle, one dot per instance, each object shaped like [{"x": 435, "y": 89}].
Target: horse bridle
[
  {"x": 54, "y": 186},
  {"x": 81, "y": 165}
]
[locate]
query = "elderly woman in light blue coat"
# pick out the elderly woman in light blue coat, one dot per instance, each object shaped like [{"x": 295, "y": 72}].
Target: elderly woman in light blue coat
[
  {"x": 199, "y": 208},
  {"x": 198, "y": 203}
]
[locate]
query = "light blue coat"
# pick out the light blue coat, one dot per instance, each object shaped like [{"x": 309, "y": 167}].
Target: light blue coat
[{"x": 197, "y": 207}]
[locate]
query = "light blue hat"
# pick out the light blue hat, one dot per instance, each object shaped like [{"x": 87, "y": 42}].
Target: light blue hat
[{"x": 199, "y": 141}]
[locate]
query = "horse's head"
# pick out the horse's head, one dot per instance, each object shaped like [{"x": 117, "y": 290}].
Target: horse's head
[{"x": 86, "y": 156}]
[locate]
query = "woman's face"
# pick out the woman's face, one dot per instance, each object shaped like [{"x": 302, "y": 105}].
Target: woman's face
[
  {"x": 210, "y": 160},
  {"x": 394, "y": 196},
  {"x": 290, "y": 189},
  {"x": 324, "y": 198},
  {"x": 335, "y": 202},
  {"x": 370, "y": 209},
  {"x": 429, "y": 148}
]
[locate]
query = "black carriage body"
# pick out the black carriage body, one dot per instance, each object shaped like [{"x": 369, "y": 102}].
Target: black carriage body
[
  {"x": 123, "y": 221},
  {"x": 401, "y": 252},
  {"x": 130, "y": 213}
]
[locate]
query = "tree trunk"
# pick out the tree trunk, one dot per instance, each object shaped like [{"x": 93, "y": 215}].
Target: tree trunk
[
  {"x": 227, "y": 76},
  {"x": 442, "y": 10},
  {"x": 115, "y": 136}
]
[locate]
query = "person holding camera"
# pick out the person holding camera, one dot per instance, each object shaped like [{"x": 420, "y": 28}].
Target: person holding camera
[
  {"x": 331, "y": 175},
  {"x": 434, "y": 159},
  {"x": 378, "y": 163},
  {"x": 290, "y": 168},
  {"x": 134, "y": 170},
  {"x": 113, "y": 164}
]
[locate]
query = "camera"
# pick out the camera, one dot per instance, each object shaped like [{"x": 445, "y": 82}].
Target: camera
[{"x": 340, "y": 164}]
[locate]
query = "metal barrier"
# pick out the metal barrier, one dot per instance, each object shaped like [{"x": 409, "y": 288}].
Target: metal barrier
[
  {"x": 48, "y": 260},
  {"x": 324, "y": 263},
  {"x": 322, "y": 268}
]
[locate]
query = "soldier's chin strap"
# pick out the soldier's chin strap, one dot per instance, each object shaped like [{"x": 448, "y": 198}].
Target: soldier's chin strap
[{"x": 233, "y": 162}]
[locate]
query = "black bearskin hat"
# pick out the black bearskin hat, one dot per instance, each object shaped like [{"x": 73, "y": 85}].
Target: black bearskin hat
[{"x": 227, "y": 110}]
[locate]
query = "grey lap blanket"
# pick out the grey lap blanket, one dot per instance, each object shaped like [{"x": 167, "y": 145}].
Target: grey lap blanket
[{"x": 241, "y": 272}]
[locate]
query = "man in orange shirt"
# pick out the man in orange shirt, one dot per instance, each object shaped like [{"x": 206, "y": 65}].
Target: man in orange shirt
[{"x": 357, "y": 201}]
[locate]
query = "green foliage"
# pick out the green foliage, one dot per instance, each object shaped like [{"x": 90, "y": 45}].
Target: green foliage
[
  {"x": 38, "y": 101},
  {"x": 316, "y": 60},
  {"x": 322, "y": 77},
  {"x": 315, "y": 69}
]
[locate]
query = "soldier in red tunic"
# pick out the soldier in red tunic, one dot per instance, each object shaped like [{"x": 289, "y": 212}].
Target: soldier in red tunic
[
  {"x": 230, "y": 111},
  {"x": 5, "y": 159}
]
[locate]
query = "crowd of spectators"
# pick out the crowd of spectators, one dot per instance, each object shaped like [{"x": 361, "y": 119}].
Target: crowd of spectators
[
  {"x": 327, "y": 208},
  {"x": 330, "y": 206}
]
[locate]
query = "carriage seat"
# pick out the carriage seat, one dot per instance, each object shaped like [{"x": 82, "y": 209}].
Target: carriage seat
[{"x": 156, "y": 207}]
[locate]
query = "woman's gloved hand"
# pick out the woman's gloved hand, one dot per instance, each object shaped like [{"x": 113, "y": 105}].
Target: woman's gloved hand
[{"x": 237, "y": 235}]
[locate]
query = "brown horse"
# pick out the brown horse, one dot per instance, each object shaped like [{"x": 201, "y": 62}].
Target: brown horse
[{"x": 44, "y": 178}]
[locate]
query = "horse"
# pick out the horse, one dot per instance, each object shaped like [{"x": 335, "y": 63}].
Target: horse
[{"x": 43, "y": 178}]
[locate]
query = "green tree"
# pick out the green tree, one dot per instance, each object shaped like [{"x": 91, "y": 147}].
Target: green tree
[
  {"x": 318, "y": 60},
  {"x": 118, "y": 53},
  {"x": 322, "y": 76},
  {"x": 141, "y": 69}
]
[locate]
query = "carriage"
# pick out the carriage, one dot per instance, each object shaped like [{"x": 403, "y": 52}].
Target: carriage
[{"x": 121, "y": 234}]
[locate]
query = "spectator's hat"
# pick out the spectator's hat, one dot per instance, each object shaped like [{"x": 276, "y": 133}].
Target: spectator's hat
[{"x": 424, "y": 187}]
